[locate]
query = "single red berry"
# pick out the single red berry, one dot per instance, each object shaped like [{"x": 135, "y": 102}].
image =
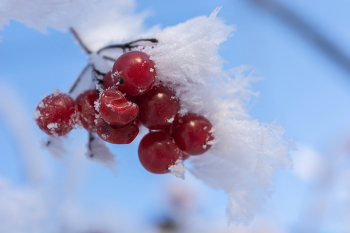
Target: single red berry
[
  {"x": 109, "y": 80},
  {"x": 116, "y": 135},
  {"x": 135, "y": 73},
  {"x": 115, "y": 109},
  {"x": 86, "y": 107},
  {"x": 158, "y": 151},
  {"x": 56, "y": 114},
  {"x": 192, "y": 133},
  {"x": 158, "y": 108}
]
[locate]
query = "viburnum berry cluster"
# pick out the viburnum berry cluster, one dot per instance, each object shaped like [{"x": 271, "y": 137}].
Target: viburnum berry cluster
[{"x": 125, "y": 98}]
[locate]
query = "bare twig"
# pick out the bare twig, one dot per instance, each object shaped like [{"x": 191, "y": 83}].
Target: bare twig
[
  {"x": 127, "y": 45},
  {"x": 75, "y": 34},
  {"x": 75, "y": 84},
  {"x": 91, "y": 138}
]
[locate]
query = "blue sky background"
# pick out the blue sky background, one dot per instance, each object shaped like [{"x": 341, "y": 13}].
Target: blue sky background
[{"x": 302, "y": 87}]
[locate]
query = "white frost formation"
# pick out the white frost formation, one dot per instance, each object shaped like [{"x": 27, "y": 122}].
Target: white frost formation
[
  {"x": 246, "y": 153},
  {"x": 178, "y": 169},
  {"x": 98, "y": 21}
]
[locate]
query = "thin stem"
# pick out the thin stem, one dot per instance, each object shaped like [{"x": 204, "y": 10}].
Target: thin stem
[
  {"x": 78, "y": 79},
  {"x": 109, "y": 58},
  {"x": 91, "y": 138},
  {"x": 75, "y": 34},
  {"x": 127, "y": 45}
]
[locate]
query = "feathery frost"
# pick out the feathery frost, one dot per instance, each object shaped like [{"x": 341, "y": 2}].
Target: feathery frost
[{"x": 245, "y": 152}]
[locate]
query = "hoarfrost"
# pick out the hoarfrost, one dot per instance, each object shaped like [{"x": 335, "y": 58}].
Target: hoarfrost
[
  {"x": 111, "y": 107},
  {"x": 170, "y": 120},
  {"x": 41, "y": 104},
  {"x": 178, "y": 169},
  {"x": 247, "y": 153},
  {"x": 53, "y": 126},
  {"x": 97, "y": 105},
  {"x": 55, "y": 146},
  {"x": 36, "y": 114}
]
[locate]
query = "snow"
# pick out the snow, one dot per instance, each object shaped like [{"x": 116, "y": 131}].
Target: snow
[
  {"x": 95, "y": 20},
  {"x": 178, "y": 169},
  {"x": 247, "y": 152},
  {"x": 170, "y": 120},
  {"x": 55, "y": 146},
  {"x": 36, "y": 114},
  {"x": 52, "y": 126},
  {"x": 97, "y": 105}
]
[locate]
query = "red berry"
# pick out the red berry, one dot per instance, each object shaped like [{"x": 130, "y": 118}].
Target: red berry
[
  {"x": 158, "y": 108},
  {"x": 115, "y": 109},
  {"x": 135, "y": 73},
  {"x": 109, "y": 81},
  {"x": 56, "y": 114},
  {"x": 116, "y": 135},
  {"x": 86, "y": 107},
  {"x": 158, "y": 151},
  {"x": 192, "y": 133}
]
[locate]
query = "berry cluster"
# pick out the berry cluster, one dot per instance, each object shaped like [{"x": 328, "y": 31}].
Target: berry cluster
[{"x": 128, "y": 99}]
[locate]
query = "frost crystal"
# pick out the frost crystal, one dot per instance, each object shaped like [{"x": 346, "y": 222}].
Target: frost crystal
[
  {"x": 36, "y": 114},
  {"x": 97, "y": 105},
  {"x": 170, "y": 120},
  {"x": 52, "y": 126},
  {"x": 246, "y": 152},
  {"x": 178, "y": 169}
]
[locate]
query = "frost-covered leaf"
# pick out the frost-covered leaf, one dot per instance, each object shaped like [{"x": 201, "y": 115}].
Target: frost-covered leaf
[
  {"x": 55, "y": 146},
  {"x": 99, "y": 152}
]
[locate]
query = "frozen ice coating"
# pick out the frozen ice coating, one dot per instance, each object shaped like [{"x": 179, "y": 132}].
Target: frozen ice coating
[
  {"x": 178, "y": 169},
  {"x": 245, "y": 153}
]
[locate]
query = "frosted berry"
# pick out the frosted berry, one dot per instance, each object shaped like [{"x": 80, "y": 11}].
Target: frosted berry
[
  {"x": 192, "y": 133},
  {"x": 158, "y": 107},
  {"x": 115, "y": 109},
  {"x": 135, "y": 73},
  {"x": 116, "y": 135},
  {"x": 158, "y": 151},
  {"x": 109, "y": 81},
  {"x": 86, "y": 107},
  {"x": 56, "y": 114}
]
